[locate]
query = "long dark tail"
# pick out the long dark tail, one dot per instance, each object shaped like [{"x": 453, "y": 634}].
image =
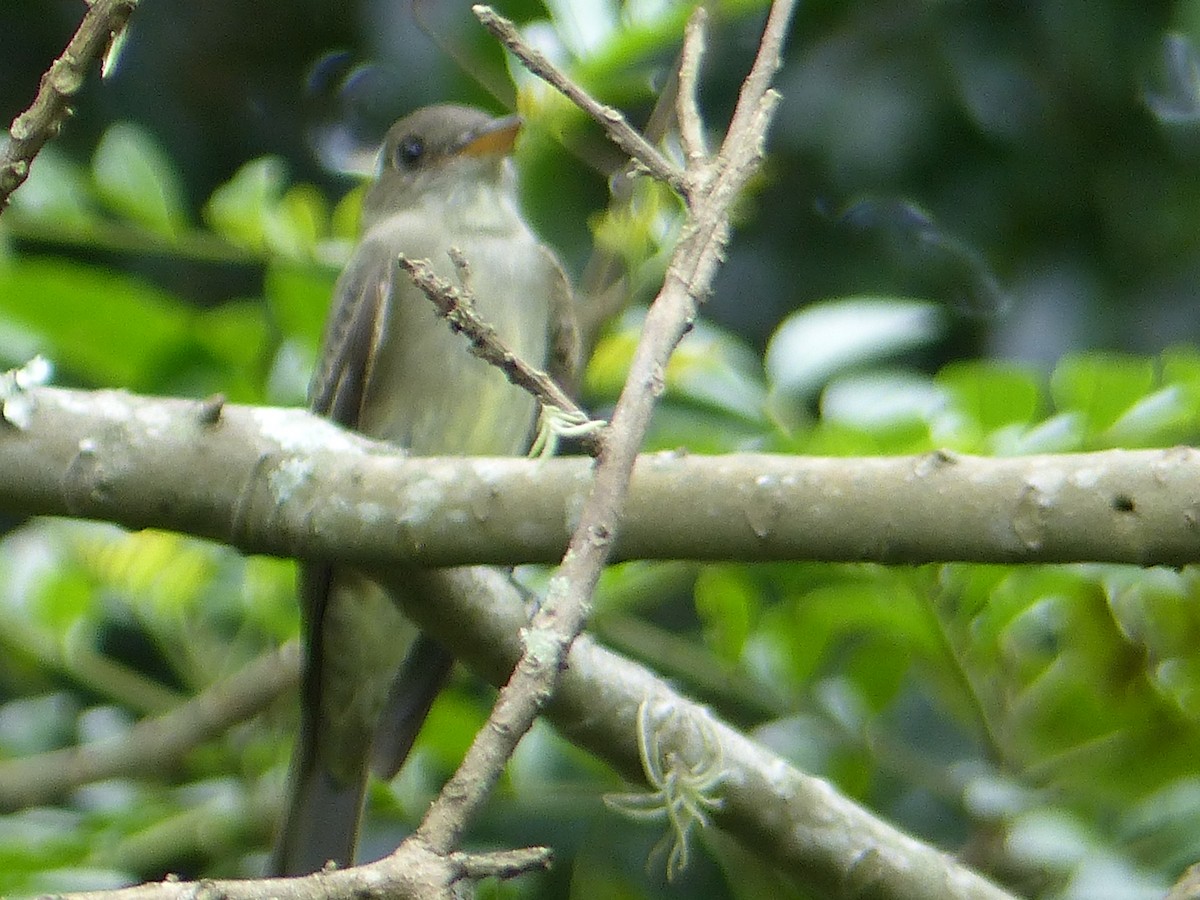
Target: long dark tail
[
  {"x": 320, "y": 823},
  {"x": 321, "y": 816}
]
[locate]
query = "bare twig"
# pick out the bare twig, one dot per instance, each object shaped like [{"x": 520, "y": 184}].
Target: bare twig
[
  {"x": 503, "y": 864},
  {"x": 758, "y": 83},
  {"x": 458, "y": 308},
  {"x": 30, "y": 131},
  {"x": 413, "y": 872},
  {"x": 1188, "y": 885},
  {"x": 462, "y": 269},
  {"x": 614, "y": 124},
  {"x": 687, "y": 111},
  {"x": 152, "y": 745},
  {"x": 713, "y": 187}
]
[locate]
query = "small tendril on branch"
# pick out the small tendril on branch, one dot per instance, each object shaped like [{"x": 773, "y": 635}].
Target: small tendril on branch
[{"x": 682, "y": 760}]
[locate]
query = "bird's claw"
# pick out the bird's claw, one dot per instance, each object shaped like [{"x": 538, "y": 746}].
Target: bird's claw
[{"x": 556, "y": 423}]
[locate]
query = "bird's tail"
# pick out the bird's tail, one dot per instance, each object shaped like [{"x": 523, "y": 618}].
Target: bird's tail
[
  {"x": 320, "y": 823},
  {"x": 322, "y": 810}
]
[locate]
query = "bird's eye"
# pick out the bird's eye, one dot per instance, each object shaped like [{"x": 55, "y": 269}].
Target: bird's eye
[{"x": 408, "y": 152}]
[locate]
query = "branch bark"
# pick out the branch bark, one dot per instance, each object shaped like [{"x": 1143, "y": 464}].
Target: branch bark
[
  {"x": 30, "y": 131},
  {"x": 284, "y": 483}
]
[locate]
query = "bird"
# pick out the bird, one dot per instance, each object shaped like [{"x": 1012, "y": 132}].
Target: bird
[{"x": 391, "y": 369}]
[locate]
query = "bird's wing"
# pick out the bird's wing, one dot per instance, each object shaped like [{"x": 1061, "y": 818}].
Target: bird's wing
[
  {"x": 355, "y": 331},
  {"x": 321, "y": 819},
  {"x": 356, "y": 328},
  {"x": 563, "y": 362}
]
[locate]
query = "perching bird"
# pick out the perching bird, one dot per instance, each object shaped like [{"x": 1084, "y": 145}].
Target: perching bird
[{"x": 391, "y": 369}]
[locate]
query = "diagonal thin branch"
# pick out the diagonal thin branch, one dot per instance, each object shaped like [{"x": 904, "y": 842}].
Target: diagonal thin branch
[
  {"x": 758, "y": 82},
  {"x": 565, "y": 610},
  {"x": 691, "y": 125},
  {"x": 30, "y": 131},
  {"x": 152, "y": 745},
  {"x": 614, "y": 124}
]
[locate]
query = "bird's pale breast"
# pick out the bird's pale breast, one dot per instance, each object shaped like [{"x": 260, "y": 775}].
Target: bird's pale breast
[{"x": 429, "y": 393}]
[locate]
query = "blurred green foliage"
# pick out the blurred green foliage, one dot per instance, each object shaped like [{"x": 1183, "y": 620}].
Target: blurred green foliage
[{"x": 1043, "y": 721}]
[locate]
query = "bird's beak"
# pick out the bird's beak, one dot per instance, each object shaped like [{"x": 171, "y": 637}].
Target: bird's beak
[{"x": 496, "y": 138}]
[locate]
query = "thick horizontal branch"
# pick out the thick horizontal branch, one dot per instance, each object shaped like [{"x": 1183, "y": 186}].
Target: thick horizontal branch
[{"x": 281, "y": 482}]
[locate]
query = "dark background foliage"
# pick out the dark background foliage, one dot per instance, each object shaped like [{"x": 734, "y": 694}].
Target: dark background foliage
[{"x": 1023, "y": 130}]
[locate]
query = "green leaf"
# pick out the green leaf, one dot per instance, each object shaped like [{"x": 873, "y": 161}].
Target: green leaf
[
  {"x": 235, "y": 334},
  {"x": 638, "y": 230},
  {"x": 1181, "y": 365},
  {"x": 137, "y": 180},
  {"x": 1015, "y": 593},
  {"x": 301, "y": 219},
  {"x": 298, "y": 298},
  {"x": 716, "y": 399},
  {"x": 157, "y": 572},
  {"x": 57, "y": 192},
  {"x": 609, "y": 365},
  {"x": 240, "y": 209},
  {"x": 993, "y": 394},
  {"x": 1100, "y": 385},
  {"x": 726, "y": 601},
  {"x": 64, "y": 599},
  {"x": 106, "y": 328},
  {"x": 344, "y": 222},
  {"x": 881, "y": 400},
  {"x": 878, "y": 666},
  {"x": 681, "y": 427},
  {"x": 35, "y": 724},
  {"x": 825, "y": 339},
  {"x": 267, "y": 595},
  {"x": 1049, "y": 839},
  {"x": 1059, "y": 434},
  {"x": 46, "y": 839},
  {"x": 1166, "y": 417},
  {"x": 714, "y": 369},
  {"x": 845, "y": 604},
  {"x": 254, "y": 210}
]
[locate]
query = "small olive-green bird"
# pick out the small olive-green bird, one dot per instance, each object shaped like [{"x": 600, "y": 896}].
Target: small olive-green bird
[{"x": 391, "y": 369}]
